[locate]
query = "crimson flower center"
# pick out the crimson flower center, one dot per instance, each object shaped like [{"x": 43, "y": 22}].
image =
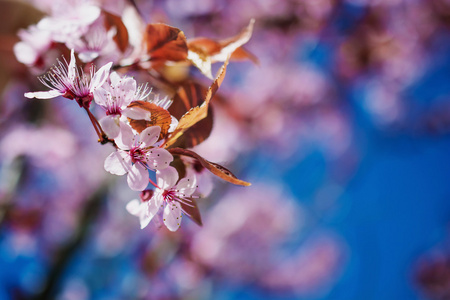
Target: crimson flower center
[
  {"x": 137, "y": 155},
  {"x": 114, "y": 110},
  {"x": 168, "y": 195}
]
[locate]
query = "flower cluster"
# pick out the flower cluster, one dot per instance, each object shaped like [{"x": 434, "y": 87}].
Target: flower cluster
[{"x": 142, "y": 128}]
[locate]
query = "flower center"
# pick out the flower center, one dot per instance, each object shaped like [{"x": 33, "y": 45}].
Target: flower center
[
  {"x": 137, "y": 155},
  {"x": 168, "y": 195},
  {"x": 114, "y": 110}
]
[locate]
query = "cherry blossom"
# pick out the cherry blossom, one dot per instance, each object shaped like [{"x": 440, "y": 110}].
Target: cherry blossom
[
  {"x": 33, "y": 45},
  {"x": 136, "y": 154},
  {"x": 66, "y": 80},
  {"x": 168, "y": 194},
  {"x": 114, "y": 99}
]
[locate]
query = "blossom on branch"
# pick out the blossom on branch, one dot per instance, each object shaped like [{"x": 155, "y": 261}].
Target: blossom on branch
[
  {"x": 114, "y": 99},
  {"x": 136, "y": 154},
  {"x": 168, "y": 194},
  {"x": 66, "y": 80}
]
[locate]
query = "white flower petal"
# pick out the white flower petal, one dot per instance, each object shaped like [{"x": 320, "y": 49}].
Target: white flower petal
[
  {"x": 43, "y": 95},
  {"x": 187, "y": 185},
  {"x": 145, "y": 217},
  {"x": 166, "y": 178},
  {"x": 126, "y": 138},
  {"x": 118, "y": 163},
  {"x": 72, "y": 68},
  {"x": 101, "y": 97},
  {"x": 136, "y": 113},
  {"x": 159, "y": 158},
  {"x": 137, "y": 177},
  {"x": 114, "y": 78},
  {"x": 134, "y": 207},
  {"x": 110, "y": 125},
  {"x": 100, "y": 77},
  {"x": 88, "y": 56},
  {"x": 125, "y": 92},
  {"x": 172, "y": 215},
  {"x": 150, "y": 135}
]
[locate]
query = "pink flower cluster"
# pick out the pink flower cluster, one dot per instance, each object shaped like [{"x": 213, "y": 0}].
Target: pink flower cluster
[{"x": 139, "y": 125}]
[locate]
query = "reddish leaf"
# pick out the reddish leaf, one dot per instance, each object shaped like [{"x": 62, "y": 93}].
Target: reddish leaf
[
  {"x": 121, "y": 36},
  {"x": 191, "y": 94},
  {"x": 158, "y": 117},
  {"x": 242, "y": 54},
  {"x": 214, "y": 168},
  {"x": 192, "y": 211},
  {"x": 203, "y": 51},
  {"x": 197, "y": 113},
  {"x": 164, "y": 42}
]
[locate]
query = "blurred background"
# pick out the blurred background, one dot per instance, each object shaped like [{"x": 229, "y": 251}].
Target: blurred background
[{"x": 342, "y": 128}]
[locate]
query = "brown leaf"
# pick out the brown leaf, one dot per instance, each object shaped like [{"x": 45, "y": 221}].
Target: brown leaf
[
  {"x": 191, "y": 210},
  {"x": 164, "y": 42},
  {"x": 203, "y": 51},
  {"x": 121, "y": 36},
  {"x": 243, "y": 54},
  {"x": 191, "y": 94},
  {"x": 200, "y": 112},
  {"x": 214, "y": 168},
  {"x": 158, "y": 117}
]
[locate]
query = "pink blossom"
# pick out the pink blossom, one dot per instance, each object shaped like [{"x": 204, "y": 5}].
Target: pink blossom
[
  {"x": 97, "y": 43},
  {"x": 34, "y": 43},
  {"x": 66, "y": 80},
  {"x": 70, "y": 19},
  {"x": 169, "y": 194},
  {"x": 136, "y": 154},
  {"x": 114, "y": 99}
]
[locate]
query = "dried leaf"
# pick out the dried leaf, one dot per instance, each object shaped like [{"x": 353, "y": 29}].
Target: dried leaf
[
  {"x": 197, "y": 113},
  {"x": 121, "y": 36},
  {"x": 165, "y": 42},
  {"x": 192, "y": 211},
  {"x": 203, "y": 51},
  {"x": 158, "y": 117},
  {"x": 214, "y": 168}
]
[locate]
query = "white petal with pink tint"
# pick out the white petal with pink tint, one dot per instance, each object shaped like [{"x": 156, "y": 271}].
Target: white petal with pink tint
[
  {"x": 150, "y": 135},
  {"x": 118, "y": 163},
  {"x": 166, "y": 178},
  {"x": 137, "y": 178},
  {"x": 134, "y": 207},
  {"x": 43, "y": 95},
  {"x": 100, "y": 77},
  {"x": 101, "y": 97},
  {"x": 72, "y": 68},
  {"x": 187, "y": 185},
  {"x": 126, "y": 138},
  {"x": 159, "y": 158},
  {"x": 136, "y": 113},
  {"x": 172, "y": 215},
  {"x": 110, "y": 125}
]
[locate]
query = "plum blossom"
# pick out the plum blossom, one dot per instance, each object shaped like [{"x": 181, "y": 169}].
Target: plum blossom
[
  {"x": 136, "y": 154},
  {"x": 33, "y": 45},
  {"x": 66, "y": 80},
  {"x": 97, "y": 43},
  {"x": 168, "y": 194},
  {"x": 115, "y": 98},
  {"x": 70, "y": 19}
]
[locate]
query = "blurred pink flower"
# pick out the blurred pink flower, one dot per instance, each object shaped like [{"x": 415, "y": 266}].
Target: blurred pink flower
[{"x": 243, "y": 232}]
